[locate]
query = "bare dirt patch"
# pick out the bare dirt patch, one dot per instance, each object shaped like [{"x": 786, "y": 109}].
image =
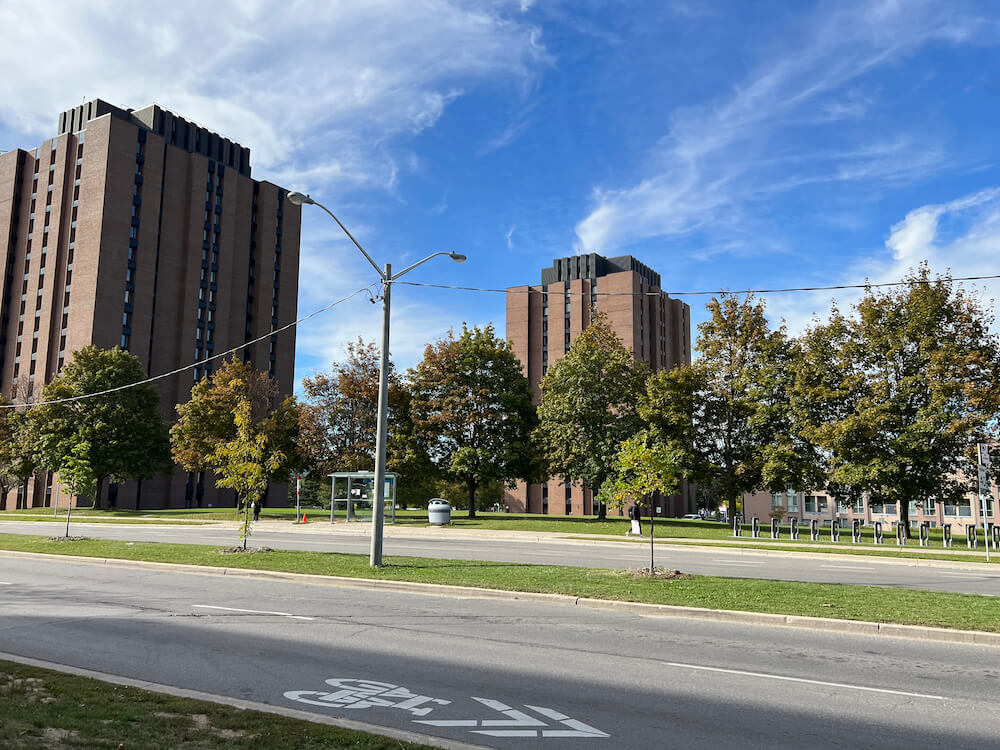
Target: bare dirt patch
[
  {"x": 52, "y": 734},
  {"x": 31, "y": 688}
]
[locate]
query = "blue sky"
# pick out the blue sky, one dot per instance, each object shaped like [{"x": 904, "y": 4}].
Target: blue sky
[{"x": 725, "y": 144}]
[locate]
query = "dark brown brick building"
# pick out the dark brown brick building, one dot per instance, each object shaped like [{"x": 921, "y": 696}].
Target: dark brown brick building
[
  {"x": 544, "y": 320},
  {"x": 140, "y": 229}
]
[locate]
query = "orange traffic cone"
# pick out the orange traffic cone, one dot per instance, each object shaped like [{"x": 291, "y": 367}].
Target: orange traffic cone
[{"x": 305, "y": 518}]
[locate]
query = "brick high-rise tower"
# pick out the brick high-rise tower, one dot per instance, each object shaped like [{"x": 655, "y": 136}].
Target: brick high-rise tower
[
  {"x": 140, "y": 229},
  {"x": 544, "y": 320}
]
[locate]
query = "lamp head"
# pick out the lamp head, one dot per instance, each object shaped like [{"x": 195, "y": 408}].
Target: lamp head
[
  {"x": 297, "y": 199},
  {"x": 457, "y": 257}
]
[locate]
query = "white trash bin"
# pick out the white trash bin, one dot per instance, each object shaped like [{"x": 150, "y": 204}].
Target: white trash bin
[{"x": 439, "y": 511}]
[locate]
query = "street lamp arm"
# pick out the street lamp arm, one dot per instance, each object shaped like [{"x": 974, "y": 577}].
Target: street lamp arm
[
  {"x": 454, "y": 256},
  {"x": 356, "y": 243}
]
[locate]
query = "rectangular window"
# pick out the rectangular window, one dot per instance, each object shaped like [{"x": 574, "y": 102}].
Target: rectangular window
[
  {"x": 961, "y": 508},
  {"x": 791, "y": 501}
]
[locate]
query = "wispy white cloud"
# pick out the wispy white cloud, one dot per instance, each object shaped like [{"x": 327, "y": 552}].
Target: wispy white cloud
[
  {"x": 328, "y": 96},
  {"x": 320, "y": 91},
  {"x": 440, "y": 207},
  {"x": 960, "y": 238},
  {"x": 509, "y": 237},
  {"x": 514, "y": 130},
  {"x": 712, "y": 163}
]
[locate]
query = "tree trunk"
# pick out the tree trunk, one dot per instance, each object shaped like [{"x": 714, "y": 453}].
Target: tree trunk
[
  {"x": 471, "y": 484},
  {"x": 602, "y": 508},
  {"x": 652, "y": 534},
  {"x": 97, "y": 493},
  {"x": 904, "y": 516}
]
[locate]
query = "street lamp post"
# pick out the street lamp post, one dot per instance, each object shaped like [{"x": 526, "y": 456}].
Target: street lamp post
[{"x": 387, "y": 277}]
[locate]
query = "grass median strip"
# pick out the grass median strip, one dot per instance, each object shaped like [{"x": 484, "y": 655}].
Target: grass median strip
[
  {"x": 848, "y": 602},
  {"x": 42, "y": 708},
  {"x": 777, "y": 546}
]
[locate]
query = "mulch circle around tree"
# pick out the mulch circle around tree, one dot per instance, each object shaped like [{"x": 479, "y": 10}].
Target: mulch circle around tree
[
  {"x": 661, "y": 573},
  {"x": 68, "y": 538},
  {"x": 241, "y": 551}
]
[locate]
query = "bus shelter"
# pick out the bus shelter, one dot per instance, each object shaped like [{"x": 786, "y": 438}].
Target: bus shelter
[{"x": 354, "y": 493}]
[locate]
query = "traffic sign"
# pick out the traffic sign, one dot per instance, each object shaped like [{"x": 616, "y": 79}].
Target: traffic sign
[{"x": 984, "y": 481}]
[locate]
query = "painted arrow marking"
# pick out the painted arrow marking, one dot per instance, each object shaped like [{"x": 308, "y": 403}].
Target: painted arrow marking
[{"x": 520, "y": 724}]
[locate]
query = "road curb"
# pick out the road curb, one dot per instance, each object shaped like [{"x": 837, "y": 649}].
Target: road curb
[
  {"x": 827, "y": 624},
  {"x": 155, "y": 687}
]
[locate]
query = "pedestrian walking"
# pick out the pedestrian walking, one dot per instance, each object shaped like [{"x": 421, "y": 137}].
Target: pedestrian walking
[
  {"x": 256, "y": 510},
  {"x": 635, "y": 517}
]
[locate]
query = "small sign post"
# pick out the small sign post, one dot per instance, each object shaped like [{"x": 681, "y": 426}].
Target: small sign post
[{"x": 985, "y": 491}]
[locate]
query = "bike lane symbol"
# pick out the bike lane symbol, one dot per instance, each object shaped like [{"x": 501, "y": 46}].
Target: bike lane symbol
[
  {"x": 361, "y": 694},
  {"x": 518, "y": 723}
]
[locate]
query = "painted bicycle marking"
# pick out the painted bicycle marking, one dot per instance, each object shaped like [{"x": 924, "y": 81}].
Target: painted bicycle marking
[
  {"x": 520, "y": 724},
  {"x": 361, "y": 694}
]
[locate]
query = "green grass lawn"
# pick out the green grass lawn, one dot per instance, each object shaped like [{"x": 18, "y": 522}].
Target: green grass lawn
[
  {"x": 910, "y": 552},
  {"x": 40, "y": 708},
  {"x": 780, "y": 597}
]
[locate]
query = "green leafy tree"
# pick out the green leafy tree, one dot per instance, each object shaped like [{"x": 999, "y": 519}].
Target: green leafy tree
[
  {"x": 8, "y": 480},
  {"x": 18, "y": 456},
  {"x": 246, "y": 463},
  {"x": 78, "y": 476},
  {"x": 207, "y": 421},
  {"x": 913, "y": 385},
  {"x": 588, "y": 406},
  {"x": 822, "y": 393},
  {"x": 119, "y": 435},
  {"x": 472, "y": 408},
  {"x": 643, "y": 466},
  {"x": 339, "y": 424},
  {"x": 726, "y": 416}
]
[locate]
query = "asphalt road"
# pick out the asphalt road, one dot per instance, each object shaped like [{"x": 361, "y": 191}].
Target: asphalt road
[
  {"x": 445, "y": 543},
  {"x": 504, "y": 674}
]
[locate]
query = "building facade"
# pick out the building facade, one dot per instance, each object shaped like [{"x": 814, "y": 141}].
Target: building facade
[
  {"x": 140, "y": 229},
  {"x": 544, "y": 320},
  {"x": 827, "y": 511}
]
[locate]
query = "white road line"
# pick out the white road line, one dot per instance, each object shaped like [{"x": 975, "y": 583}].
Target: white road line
[
  {"x": 764, "y": 675},
  {"x": 845, "y": 567},
  {"x": 252, "y": 611},
  {"x": 5, "y": 583}
]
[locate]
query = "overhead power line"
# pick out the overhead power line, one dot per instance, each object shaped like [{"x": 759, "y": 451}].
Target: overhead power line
[
  {"x": 199, "y": 363},
  {"x": 716, "y": 291}
]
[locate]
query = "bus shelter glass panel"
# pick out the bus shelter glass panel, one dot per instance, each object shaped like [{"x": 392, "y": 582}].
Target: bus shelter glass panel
[{"x": 353, "y": 494}]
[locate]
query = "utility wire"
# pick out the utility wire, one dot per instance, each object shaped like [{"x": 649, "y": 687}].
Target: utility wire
[
  {"x": 199, "y": 363},
  {"x": 715, "y": 292},
  {"x": 504, "y": 291}
]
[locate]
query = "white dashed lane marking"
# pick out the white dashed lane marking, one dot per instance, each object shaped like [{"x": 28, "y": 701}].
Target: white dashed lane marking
[{"x": 252, "y": 611}]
